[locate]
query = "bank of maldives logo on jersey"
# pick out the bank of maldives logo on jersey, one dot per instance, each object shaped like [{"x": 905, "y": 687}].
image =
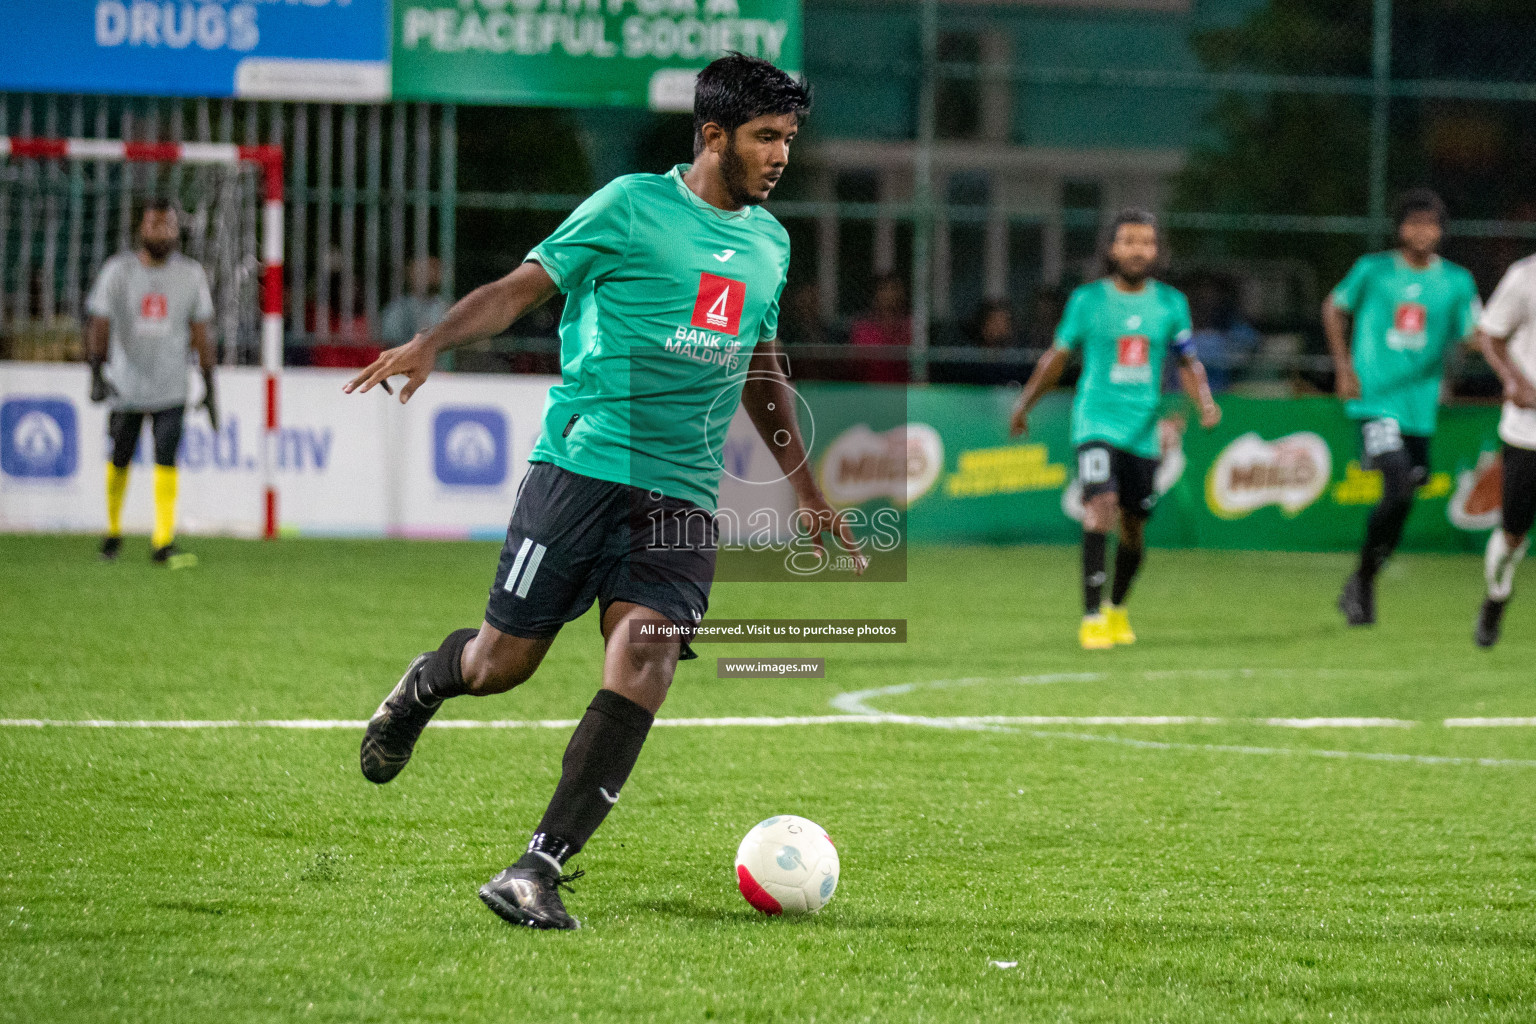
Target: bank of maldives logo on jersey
[
  {"x": 469, "y": 446},
  {"x": 39, "y": 438},
  {"x": 1408, "y": 324},
  {"x": 718, "y": 305},
  {"x": 1133, "y": 358}
]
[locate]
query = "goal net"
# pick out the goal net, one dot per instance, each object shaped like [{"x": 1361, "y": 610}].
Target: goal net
[{"x": 66, "y": 206}]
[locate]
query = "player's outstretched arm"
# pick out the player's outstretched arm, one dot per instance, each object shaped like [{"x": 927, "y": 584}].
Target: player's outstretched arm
[
  {"x": 483, "y": 313},
  {"x": 1336, "y": 324},
  {"x": 770, "y": 402},
  {"x": 1047, "y": 372},
  {"x": 1517, "y": 387},
  {"x": 1196, "y": 385}
]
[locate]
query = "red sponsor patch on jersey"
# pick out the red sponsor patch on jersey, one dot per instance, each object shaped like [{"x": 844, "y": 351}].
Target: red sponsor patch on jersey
[
  {"x": 154, "y": 307},
  {"x": 1411, "y": 317},
  {"x": 718, "y": 307},
  {"x": 1134, "y": 350}
]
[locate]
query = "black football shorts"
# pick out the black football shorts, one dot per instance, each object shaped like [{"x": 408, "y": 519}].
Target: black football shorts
[
  {"x": 165, "y": 424},
  {"x": 1102, "y": 468},
  {"x": 574, "y": 539},
  {"x": 1519, "y": 490},
  {"x": 1381, "y": 440}
]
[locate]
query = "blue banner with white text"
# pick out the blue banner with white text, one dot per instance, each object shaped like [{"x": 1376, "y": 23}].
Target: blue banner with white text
[{"x": 332, "y": 50}]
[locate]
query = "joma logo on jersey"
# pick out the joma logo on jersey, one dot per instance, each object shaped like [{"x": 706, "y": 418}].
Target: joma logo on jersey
[
  {"x": 154, "y": 307},
  {"x": 718, "y": 306}
]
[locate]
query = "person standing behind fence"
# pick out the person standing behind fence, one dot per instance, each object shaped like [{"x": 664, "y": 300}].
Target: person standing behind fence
[
  {"x": 147, "y": 307},
  {"x": 420, "y": 310}
]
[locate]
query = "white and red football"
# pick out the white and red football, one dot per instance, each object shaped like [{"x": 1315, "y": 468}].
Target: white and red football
[{"x": 787, "y": 865}]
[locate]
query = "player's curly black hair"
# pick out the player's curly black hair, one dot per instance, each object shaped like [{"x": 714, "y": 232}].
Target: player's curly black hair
[
  {"x": 1131, "y": 215},
  {"x": 736, "y": 88},
  {"x": 1415, "y": 201}
]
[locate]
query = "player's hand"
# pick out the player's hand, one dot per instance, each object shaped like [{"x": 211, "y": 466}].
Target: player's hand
[
  {"x": 101, "y": 388},
  {"x": 1347, "y": 385},
  {"x": 1210, "y": 415},
  {"x": 812, "y": 506},
  {"x": 1018, "y": 421},
  {"x": 414, "y": 360},
  {"x": 1521, "y": 393}
]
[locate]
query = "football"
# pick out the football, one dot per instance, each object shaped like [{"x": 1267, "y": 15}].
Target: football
[{"x": 787, "y": 865}]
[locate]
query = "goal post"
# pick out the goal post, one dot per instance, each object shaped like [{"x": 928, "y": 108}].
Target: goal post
[{"x": 265, "y": 161}]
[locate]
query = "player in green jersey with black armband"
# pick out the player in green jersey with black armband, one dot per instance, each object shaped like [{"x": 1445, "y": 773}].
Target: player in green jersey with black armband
[
  {"x": 1124, "y": 325},
  {"x": 1409, "y": 307},
  {"x": 672, "y": 285}
]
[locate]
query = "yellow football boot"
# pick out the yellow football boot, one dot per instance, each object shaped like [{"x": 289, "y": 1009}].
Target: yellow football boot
[
  {"x": 1094, "y": 633},
  {"x": 1119, "y": 624}
]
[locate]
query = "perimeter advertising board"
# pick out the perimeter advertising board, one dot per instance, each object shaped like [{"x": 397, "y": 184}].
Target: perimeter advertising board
[
  {"x": 927, "y": 465},
  {"x": 580, "y": 53},
  {"x": 334, "y": 50}
]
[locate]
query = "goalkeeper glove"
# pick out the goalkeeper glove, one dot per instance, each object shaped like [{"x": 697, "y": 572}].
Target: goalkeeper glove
[
  {"x": 101, "y": 388},
  {"x": 210, "y": 401}
]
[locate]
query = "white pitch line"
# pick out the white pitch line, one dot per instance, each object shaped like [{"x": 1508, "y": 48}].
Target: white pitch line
[
  {"x": 878, "y": 718},
  {"x": 1362, "y": 755},
  {"x": 1339, "y": 723},
  {"x": 857, "y": 701},
  {"x": 871, "y": 717}
]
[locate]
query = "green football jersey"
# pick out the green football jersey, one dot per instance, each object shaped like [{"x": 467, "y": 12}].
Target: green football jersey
[
  {"x": 666, "y": 299},
  {"x": 1405, "y": 321},
  {"x": 1124, "y": 338}
]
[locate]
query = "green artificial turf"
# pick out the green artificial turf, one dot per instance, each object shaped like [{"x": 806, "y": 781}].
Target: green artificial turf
[{"x": 1227, "y": 870}]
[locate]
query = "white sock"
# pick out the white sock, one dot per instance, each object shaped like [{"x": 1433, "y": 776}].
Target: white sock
[{"x": 1499, "y": 564}]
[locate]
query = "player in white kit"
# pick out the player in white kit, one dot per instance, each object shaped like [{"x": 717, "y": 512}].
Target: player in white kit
[
  {"x": 1507, "y": 336},
  {"x": 148, "y": 308}
]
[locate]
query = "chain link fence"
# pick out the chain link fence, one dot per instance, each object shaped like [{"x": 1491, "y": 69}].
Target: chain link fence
[{"x": 947, "y": 191}]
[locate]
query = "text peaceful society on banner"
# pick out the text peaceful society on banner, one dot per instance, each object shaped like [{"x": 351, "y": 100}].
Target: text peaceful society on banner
[{"x": 580, "y": 52}]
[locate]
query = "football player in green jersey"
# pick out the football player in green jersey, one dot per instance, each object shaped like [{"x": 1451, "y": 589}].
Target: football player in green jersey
[
  {"x": 1409, "y": 307},
  {"x": 672, "y": 286},
  {"x": 1124, "y": 325}
]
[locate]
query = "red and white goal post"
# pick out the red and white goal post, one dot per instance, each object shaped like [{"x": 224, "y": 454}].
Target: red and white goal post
[{"x": 268, "y": 162}]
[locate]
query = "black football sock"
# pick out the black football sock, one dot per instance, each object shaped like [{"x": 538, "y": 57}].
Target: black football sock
[
  {"x": 1127, "y": 564},
  {"x": 597, "y": 761},
  {"x": 1382, "y": 532},
  {"x": 443, "y": 674},
  {"x": 1095, "y": 548},
  {"x": 1385, "y": 527}
]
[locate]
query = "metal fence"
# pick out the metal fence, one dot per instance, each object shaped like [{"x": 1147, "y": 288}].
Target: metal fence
[
  {"x": 367, "y": 203},
  {"x": 967, "y": 152}
]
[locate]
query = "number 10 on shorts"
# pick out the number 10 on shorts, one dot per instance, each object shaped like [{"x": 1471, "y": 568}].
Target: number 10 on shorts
[{"x": 1093, "y": 465}]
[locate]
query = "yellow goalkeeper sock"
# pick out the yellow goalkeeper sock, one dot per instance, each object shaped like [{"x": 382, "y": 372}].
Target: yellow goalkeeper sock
[
  {"x": 165, "y": 507},
  {"x": 117, "y": 489}
]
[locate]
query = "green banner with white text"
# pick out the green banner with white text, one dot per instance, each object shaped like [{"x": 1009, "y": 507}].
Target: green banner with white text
[
  {"x": 580, "y": 53},
  {"x": 1275, "y": 475}
]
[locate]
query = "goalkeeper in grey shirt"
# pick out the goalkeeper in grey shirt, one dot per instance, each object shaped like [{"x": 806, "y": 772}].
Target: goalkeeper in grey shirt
[{"x": 148, "y": 308}]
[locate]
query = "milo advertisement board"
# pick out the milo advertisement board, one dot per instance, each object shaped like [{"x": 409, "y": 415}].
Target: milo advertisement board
[{"x": 1276, "y": 474}]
